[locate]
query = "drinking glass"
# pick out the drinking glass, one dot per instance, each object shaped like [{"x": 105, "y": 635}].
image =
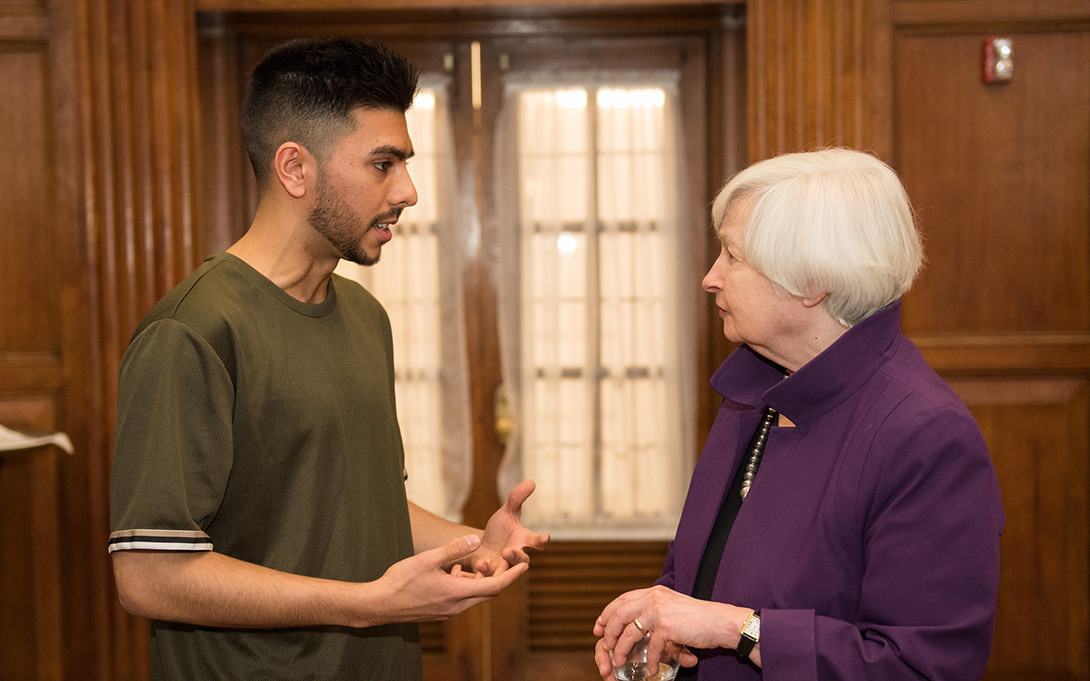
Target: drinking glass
[{"x": 634, "y": 667}]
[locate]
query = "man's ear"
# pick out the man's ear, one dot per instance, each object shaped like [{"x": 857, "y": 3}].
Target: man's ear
[{"x": 294, "y": 167}]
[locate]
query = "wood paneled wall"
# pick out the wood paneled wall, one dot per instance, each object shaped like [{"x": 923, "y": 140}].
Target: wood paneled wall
[
  {"x": 999, "y": 175},
  {"x": 98, "y": 221},
  {"x": 98, "y": 114}
]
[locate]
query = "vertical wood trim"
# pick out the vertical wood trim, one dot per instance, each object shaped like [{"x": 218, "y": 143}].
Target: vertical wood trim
[
  {"x": 131, "y": 92},
  {"x": 84, "y": 505},
  {"x": 815, "y": 75},
  {"x": 47, "y": 601},
  {"x": 223, "y": 211},
  {"x": 875, "y": 115}
]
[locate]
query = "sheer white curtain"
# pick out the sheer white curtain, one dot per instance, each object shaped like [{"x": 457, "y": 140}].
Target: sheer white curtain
[
  {"x": 596, "y": 328},
  {"x": 417, "y": 281}
]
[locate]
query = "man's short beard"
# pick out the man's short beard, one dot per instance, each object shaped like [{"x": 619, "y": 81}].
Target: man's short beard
[{"x": 332, "y": 218}]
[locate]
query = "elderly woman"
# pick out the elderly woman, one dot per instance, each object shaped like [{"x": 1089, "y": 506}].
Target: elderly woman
[{"x": 843, "y": 521}]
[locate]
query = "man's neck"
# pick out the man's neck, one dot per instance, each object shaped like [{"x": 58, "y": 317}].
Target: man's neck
[{"x": 287, "y": 257}]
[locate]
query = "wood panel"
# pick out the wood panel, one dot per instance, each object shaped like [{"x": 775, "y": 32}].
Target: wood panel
[
  {"x": 817, "y": 75},
  {"x": 1037, "y": 432},
  {"x": 999, "y": 186},
  {"x": 30, "y": 571},
  {"x": 33, "y": 243},
  {"x": 27, "y": 290}
]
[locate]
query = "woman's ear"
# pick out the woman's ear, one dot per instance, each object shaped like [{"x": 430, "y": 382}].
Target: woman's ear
[
  {"x": 811, "y": 301},
  {"x": 293, "y": 165}
]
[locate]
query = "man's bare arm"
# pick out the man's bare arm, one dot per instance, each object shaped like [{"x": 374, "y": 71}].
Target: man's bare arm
[{"x": 211, "y": 589}]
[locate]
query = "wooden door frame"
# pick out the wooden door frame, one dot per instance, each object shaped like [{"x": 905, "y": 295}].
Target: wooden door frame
[
  {"x": 222, "y": 34},
  {"x": 700, "y": 40}
]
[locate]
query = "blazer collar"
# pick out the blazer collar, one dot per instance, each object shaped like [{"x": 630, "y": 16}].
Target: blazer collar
[{"x": 749, "y": 380}]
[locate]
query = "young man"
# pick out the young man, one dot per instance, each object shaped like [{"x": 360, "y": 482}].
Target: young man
[{"x": 258, "y": 503}]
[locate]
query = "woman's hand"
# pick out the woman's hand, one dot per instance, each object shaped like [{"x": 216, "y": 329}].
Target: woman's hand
[
  {"x": 669, "y": 616},
  {"x": 605, "y": 664}
]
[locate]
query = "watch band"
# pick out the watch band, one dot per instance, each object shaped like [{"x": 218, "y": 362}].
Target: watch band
[{"x": 751, "y": 633}]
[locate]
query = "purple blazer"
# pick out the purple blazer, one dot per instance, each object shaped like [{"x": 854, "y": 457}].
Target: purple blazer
[{"x": 870, "y": 537}]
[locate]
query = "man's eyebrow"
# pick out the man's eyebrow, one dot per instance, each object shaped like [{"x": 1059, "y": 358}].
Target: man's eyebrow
[{"x": 390, "y": 150}]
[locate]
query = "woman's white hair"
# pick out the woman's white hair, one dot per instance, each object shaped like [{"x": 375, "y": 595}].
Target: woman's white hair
[{"x": 835, "y": 221}]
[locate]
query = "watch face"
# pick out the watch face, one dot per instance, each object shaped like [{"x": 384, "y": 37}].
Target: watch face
[{"x": 753, "y": 627}]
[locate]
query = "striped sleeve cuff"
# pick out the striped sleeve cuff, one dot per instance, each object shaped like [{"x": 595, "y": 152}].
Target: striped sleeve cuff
[{"x": 160, "y": 540}]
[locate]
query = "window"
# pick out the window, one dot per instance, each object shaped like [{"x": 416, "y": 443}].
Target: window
[{"x": 601, "y": 352}]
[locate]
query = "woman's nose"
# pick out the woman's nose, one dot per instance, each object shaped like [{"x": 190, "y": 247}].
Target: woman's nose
[{"x": 713, "y": 280}]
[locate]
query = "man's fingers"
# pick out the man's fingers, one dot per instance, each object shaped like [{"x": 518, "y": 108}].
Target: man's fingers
[
  {"x": 511, "y": 574},
  {"x": 512, "y": 556},
  {"x": 491, "y": 586},
  {"x": 456, "y": 549},
  {"x": 540, "y": 540},
  {"x": 457, "y": 571},
  {"x": 519, "y": 495},
  {"x": 483, "y": 567},
  {"x": 487, "y": 568},
  {"x": 535, "y": 541}
]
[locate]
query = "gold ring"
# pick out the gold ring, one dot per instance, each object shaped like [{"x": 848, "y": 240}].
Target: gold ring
[{"x": 639, "y": 626}]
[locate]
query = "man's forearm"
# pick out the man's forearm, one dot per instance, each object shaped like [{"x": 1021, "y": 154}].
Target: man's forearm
[
  {"x": 430, "y": 531},
  {"x": 211, "y": 589}
]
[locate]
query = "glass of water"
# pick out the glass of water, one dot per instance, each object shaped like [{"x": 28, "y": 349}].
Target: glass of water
[{"x": 635, "y": 668}]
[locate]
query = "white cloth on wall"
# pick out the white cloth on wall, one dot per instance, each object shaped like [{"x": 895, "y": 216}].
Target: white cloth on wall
[{"x": 13, "y": 440}]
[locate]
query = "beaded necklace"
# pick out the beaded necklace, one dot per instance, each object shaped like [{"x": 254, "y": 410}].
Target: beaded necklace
[{"x": 756, "y": 450}]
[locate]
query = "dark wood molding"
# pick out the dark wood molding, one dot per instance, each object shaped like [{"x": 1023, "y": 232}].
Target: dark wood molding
[
  {"x": 978, "y": 13},
  {"x": 506, "y": 6}
]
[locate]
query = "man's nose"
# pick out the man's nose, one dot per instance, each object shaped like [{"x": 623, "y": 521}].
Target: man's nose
[{"x": 405, "y": 193}]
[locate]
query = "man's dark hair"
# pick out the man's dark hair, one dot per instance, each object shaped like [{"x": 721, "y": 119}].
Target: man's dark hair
[{"x": 306, "y": 90}]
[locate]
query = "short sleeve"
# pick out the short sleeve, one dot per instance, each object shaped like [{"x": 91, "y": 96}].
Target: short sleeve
[{"x": 173, "y": 446}]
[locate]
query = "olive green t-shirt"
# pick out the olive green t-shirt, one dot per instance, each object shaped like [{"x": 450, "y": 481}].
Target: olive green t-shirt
[{"x": 264, "y": 428}]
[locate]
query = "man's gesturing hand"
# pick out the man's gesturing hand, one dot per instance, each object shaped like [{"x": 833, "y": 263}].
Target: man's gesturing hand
[
  {"x": 505, "y": 537},
  {"x": 418, "y": 589}
]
